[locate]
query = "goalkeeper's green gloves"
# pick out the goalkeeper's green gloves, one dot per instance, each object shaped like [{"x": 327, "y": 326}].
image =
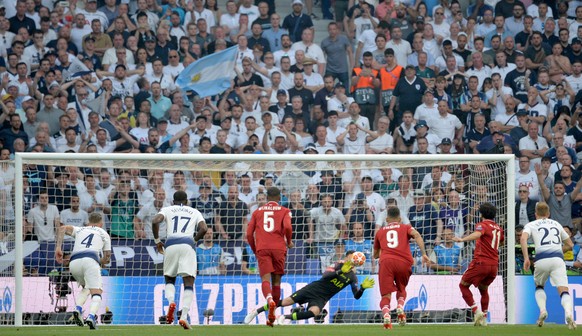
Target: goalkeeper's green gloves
[
  {"x": 347, "y": 266},
  {"x": 368, "y": 283}
]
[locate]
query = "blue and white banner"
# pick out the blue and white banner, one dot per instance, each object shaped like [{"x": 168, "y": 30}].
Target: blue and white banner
[
  {"x": 526, "y": 308},
  {"x": 209, "y": 75},
  {"x": 141, "y": 299}
]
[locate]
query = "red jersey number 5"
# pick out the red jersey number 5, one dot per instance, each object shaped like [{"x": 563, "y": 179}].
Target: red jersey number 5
[{"x": 268, "y": 221}]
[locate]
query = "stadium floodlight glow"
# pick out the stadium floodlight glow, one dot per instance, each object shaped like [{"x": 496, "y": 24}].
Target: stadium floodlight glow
[{"x": 133, "y": 291}]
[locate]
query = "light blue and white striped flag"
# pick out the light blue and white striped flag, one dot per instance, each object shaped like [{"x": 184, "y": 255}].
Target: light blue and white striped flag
[{"x": 209, "y": 75}]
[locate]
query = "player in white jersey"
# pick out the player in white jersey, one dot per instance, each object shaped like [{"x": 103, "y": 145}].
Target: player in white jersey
[
  {"x": 91, "y": 251},
  {"x": 182, "y": 223},
  {"x": 548, "y": 236}
]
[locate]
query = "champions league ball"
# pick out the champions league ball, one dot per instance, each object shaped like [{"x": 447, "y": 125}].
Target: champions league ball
[{"x": 358, "y": 258}]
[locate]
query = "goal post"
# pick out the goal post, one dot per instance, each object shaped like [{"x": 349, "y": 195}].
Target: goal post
[{"x": 235, "y": 296}]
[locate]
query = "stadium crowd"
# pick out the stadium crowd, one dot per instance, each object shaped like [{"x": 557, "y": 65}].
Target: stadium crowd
[{"x": 407, "y": 77}]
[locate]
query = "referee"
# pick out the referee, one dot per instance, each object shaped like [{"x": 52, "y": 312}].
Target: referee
[{"x": 319, "y": 292}]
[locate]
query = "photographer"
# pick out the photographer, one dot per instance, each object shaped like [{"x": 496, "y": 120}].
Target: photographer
[
  {"x": 498, "y": 147},
  {"x": 488, "y": 142}
]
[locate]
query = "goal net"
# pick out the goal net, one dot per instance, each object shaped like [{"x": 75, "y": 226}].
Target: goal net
[{"x": 337, "y": 202}]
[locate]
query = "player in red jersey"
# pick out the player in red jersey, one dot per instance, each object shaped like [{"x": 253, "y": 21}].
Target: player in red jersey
[
  {"x": 483, "y": 269},
  {"x": 269, "y": 235},
  {"x": 392, "y": 246}
]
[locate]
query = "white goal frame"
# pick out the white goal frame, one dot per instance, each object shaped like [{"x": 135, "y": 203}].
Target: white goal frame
[{"x": 64, "y": 157}]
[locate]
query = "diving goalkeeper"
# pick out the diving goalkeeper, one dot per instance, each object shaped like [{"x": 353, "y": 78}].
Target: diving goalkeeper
[{"x": 319, "y": 292}]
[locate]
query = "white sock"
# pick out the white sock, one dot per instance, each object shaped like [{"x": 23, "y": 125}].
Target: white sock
[
  {"x": 170, "y": 292},
  {"x": 567, "y": 303},
  {"x": 186, "y": 303},
  {"x": 541, "y": 299},
  {"x": 82, "y": 298},
  {"x": 95, "y": 303}
]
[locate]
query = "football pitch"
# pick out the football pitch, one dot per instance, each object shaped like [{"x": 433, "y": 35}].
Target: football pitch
[{"x": 292, "y": 330}]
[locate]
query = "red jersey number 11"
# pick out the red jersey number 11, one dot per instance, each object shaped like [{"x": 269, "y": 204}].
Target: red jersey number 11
[{"x": 496, "y": 239}]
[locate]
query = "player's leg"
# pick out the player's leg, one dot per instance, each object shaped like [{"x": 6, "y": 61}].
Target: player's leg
[
  {"x": 566, "y": 301},
  {"x": 170, "y": 293},
  {"x": 79, "y": 303},
  {"x": 279, "y": 259},
  {"x": 177, "y": 260},
  {"x": 276, "y": 281},
  {"x": 385, "y": 307},
  {"x": 401, "y": 278},
  {"x": 187, "y": 298},
  {"x": 386, "y": 278},
  {"x": 94, "y": 284},
  {"x": 288, "y": 301},
  {"x": 187, "y": 269},
  {"x": 313, "y": 310},
  {"x": 471, "y": 276},
  {"x": 484, "y": 291},
  {"x": 91, "y": 319},
  {"x": 77, "y": 271},
  {"x": 268, "y": 294},
  {"x": 541, "y": 274},
  {"x": 266, "y": 269},
  {"x": 559, "y": 278}
]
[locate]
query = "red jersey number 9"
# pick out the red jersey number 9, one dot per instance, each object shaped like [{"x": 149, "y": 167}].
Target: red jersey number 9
[{"x": 392, "y": 239}]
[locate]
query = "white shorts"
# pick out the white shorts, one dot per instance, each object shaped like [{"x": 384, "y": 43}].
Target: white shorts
[
  {"x": 553, "y": 268},
  {"x": 180, "y": 259},
  {"x": 87, "y": 272}
]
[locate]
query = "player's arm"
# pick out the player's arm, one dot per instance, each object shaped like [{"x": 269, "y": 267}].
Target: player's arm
[
  {"x": 155, "y": 231},
  {"x": 65, "y": 229},
  {"x": 251, "y": 232},
  {"x": 106, "y": 259},
  {"x": 473, "y": 236},
  {"x": 568, "y": 245},
  {"x": 420, "y": 242},
  {"x": 202, "y": 228},
  {"x": 523, "y": 241},
  {"x": 358, "y": 291}
]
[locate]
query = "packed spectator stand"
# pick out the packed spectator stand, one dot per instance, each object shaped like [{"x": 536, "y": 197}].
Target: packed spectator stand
[{"x": 311, "y": 78}]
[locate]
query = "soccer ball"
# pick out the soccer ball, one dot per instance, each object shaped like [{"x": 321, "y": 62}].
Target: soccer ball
[{"x": 358, "y": 258}]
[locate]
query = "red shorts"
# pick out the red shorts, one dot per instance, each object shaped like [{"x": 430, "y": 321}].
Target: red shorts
[
  {"x": 393, "y": 276},
  {"x": 271, "y": 261},
  {"x": 478, "y": 274}
]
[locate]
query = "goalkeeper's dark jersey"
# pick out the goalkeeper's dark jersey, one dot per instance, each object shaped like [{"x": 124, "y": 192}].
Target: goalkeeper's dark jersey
[{"x": 331, "y": 282}]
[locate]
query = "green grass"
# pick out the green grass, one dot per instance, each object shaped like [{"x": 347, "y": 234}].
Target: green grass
[{"x": 295, "y": 330}]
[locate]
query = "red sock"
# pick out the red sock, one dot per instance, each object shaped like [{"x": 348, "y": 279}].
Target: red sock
[
  {"x": 385, "y": 305},
  {"x": 484, "y": 299},
  {"x": 467, "y": 295},
  {"x": 266, "y": 287},
  {"x": 276, "y": 294}
]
